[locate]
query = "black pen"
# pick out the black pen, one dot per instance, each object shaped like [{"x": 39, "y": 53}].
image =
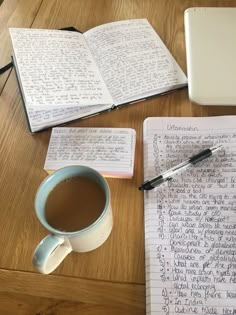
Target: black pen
[{"x": 167, "y": 175}]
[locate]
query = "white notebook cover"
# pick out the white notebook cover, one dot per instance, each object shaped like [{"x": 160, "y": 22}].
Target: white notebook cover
[{"x": 210, "y": 37}]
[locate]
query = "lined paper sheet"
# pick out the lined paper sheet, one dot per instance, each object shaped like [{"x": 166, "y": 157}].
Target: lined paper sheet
[
  {"x": 108, "y": 150},
  {"x": 190, "y": 222}
]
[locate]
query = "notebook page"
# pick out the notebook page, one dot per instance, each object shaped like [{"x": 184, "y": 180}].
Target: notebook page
[
  {"x": 108, "y": 150},
  {"x": 190, "y": 222},
  {"x": 40, "y": 119},
  {"x": 133, "y": 60},
  {"x": 56, "y": 69}
]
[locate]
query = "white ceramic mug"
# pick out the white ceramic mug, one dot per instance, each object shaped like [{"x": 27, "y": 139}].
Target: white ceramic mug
[{"x": 58, "y": 244}]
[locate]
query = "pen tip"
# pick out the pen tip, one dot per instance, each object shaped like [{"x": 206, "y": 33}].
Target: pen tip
[{"x": 216, "y": 148}]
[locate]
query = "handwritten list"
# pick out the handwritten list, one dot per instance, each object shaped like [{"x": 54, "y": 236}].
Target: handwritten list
[
  {"x": 108, "y": 150},
  {"x": 190, "y": 222}
]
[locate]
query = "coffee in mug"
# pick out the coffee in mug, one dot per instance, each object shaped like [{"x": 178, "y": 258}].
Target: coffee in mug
[{"x": 74, "y": 205}]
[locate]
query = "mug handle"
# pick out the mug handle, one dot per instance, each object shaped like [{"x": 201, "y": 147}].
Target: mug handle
[{"x": 50, "y": 252}]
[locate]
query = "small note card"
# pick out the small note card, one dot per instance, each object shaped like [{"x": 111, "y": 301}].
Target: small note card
[{"x": 108, "y": 150}]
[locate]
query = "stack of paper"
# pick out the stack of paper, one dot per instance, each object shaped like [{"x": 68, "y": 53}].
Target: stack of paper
[{"x": 108, "y": 150}]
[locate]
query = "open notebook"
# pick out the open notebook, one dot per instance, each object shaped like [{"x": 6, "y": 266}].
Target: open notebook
[
  {"x": 66, "y": 75},
  {"x": 190, "y": 222}
]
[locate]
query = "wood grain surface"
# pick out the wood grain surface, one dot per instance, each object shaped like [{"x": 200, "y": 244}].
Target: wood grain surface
[{"x": 111, "y": 279}]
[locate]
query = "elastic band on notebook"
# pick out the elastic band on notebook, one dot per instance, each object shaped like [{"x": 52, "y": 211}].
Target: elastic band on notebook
[{"x": 6, "y": 67}]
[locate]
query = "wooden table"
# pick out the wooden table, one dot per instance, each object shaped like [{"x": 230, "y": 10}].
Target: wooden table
[{"x": 111, "y": 279}]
